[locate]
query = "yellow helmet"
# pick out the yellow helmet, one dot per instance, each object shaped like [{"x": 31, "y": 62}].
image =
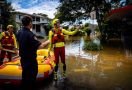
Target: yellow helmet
[
  {"x": 9, "y": 26},
  {"x": 55, "y": 21}
]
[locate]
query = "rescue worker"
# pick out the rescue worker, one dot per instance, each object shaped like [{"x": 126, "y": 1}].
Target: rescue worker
[
  {"x": 28, "y": 45},
  {"x": 57, "y": 41},
  {"x": 7, "y": 41}
]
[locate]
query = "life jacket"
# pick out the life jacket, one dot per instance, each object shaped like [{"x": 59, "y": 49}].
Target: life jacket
[
  {"x": 57, "y": 36},
  {"x": 7, "y": 40}
]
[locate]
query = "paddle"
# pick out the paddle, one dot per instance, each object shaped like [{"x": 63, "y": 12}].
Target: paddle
[{"x": 12, "y": 51}]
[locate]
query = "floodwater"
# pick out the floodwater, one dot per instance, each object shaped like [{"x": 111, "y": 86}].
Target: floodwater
[{"x": 107, "y": 69}]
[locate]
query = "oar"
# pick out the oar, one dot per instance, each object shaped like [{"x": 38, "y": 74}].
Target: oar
[{"x": 12, "y": 51}]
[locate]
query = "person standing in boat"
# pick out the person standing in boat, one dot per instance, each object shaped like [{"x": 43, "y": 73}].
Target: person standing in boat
[
  {"x": 28, "y": 45},
  {"x": 57, "y": 41},
  {"x": 7, "y": 41}
]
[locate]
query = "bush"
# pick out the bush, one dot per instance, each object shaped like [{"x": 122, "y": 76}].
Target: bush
[
  {"x": 65, "y": 27},
  {"x": 90, "y": 45},
  {"x": 80, "y": 33},
  {"x": 87, "y": 30},
  {"x": 72, "y": 29},
  {"x": 86, "y": 24}
]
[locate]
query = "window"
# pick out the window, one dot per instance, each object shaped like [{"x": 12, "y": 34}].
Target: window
[
  {"x": 37, "y": 28},
  {"x": 33, "y": 26},
  {"x": 19, "y": 16},
  {"x": 33, "y": 18},
  {"x": 38, "y": 19}
]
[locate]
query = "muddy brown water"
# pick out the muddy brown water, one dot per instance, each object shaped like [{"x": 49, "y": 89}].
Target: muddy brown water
[{"x": 107, "y": 69}]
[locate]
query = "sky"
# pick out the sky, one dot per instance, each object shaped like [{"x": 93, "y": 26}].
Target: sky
[{"x": 36, "y": 6}]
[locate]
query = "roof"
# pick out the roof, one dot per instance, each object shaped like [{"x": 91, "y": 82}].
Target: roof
[
  {"x": 34, "y": 14},
  {"x": 120, "y": 13}
]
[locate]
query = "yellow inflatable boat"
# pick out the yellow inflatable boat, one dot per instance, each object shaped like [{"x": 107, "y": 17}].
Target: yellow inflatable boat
[{"x": 11, "y": 72}]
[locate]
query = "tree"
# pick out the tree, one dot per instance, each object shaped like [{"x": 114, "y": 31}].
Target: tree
[
  {"x": 76, "y": 9},
  {"x": 72, "y": 10},
  {"x": 6, "y": 14}
]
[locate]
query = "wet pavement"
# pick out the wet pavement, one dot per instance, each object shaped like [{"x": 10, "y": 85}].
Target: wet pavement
[{"x": 108, "y": 69}]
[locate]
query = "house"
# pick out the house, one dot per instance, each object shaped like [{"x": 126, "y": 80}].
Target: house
[
  {"x": 39, "y": 22},
  {"x": 121, "y": 19}
]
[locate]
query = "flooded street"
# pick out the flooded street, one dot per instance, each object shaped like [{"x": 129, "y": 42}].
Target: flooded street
[{"x": 108, "y": 69}]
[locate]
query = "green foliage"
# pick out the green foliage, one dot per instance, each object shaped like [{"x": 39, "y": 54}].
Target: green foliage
[
  {"x": 70, "y": 10},
  {"x": 65, "y": 27},
  {"x": 105, "y": 24},
  {"x": 72, "y": 29},
  {"x": 7, "y": 16},
  {"x": 97, "y": 29},
  {"x": 89, "y": 45},
  {"x": 48, "y": 28},
  {"x": 80, "y": 33},
  {"x": 86, "y": 24},
  {"x": 87, "y": 30}
]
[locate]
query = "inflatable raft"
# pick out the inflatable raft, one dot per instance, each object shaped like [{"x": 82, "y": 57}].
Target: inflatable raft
[{"x": 11, "y": 72}]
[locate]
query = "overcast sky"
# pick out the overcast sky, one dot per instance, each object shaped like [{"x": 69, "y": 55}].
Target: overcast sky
[{"x": 36, "y": 6}]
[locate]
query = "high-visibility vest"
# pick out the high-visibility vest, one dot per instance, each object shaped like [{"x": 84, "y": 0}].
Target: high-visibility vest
[
  {"x": 58, "y": 36},
  {"x": 7, "y": 40}
]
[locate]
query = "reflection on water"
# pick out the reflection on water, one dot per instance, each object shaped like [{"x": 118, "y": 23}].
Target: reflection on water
[
  {"x": 108, "y": 69},
  {"x": 76, "y": 49}
]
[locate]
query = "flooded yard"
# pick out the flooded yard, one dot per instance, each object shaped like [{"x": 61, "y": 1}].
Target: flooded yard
[{"x": 107, "y": 69}]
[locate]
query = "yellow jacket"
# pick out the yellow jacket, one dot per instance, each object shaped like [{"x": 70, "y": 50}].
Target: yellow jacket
[
  {"x": 59, "y": 44},
  {"x": 15, "y": 42}
]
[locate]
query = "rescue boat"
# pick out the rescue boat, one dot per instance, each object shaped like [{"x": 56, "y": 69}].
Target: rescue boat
[{"x": 11, "y": 72}]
